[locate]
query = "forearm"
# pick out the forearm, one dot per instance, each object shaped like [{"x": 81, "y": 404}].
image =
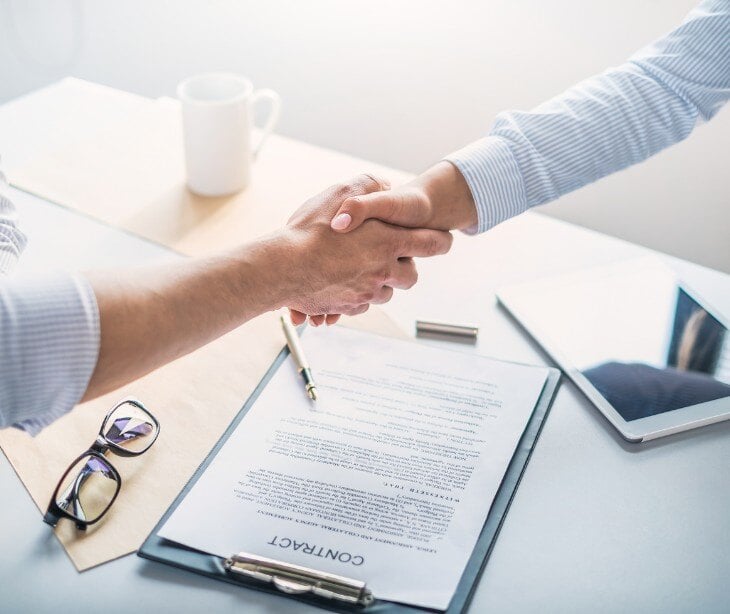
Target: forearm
[
  {"x": 65, "y": 338},
  {"x": 450, "y": 199},
  {"x": 603, "y": 124},
  {"x": 153, "y": 316}
]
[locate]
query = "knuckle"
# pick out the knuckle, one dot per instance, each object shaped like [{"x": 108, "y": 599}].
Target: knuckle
[
  {"x": 448, "y": 242},
  {"x": 370, "y": 181},
  {"x": 352, "y": 299},
  {"x": 393, "y": 248},
  {"x": 408, "y": 280},
  {"x": 352, "y": 204},
  {"x": 382, "y": 275},
  {"x": 398, "y": 242},
  {"x": 362, "y": 184},
  {"x": 341, "y": 189},
  {"x": 434, "y": 243},
  {"x": 363, "y": 179}
]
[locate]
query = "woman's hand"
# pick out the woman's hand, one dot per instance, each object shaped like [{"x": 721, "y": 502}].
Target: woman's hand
[
  {"x": 332, "y": 273},
  {"x": 439, "y": 199}
]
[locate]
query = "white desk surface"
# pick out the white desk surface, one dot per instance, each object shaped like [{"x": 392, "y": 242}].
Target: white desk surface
[{"x": 597, "y": 524}]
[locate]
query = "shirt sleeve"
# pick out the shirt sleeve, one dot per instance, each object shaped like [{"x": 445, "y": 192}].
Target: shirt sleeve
[
  {"x": 12, "y": 239},
  {"x": 603, "y": 124},
  {"x": 49, "y": 340}
]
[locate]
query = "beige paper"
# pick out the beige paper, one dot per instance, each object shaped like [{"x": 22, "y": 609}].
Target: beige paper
[
  {"x": 194, "y": 398},
  {"x": 119, "y": 159},
  {"x": 130, "y": 173}
]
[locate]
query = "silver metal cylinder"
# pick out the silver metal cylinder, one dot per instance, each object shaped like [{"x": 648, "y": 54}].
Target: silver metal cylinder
[{"x": 446, "y": 332}]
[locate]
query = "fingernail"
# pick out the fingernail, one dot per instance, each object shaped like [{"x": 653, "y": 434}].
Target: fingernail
[{"x": 341, "y": 221}]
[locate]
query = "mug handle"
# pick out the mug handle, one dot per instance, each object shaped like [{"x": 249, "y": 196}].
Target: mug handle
[{"x": 275, "y": 106}]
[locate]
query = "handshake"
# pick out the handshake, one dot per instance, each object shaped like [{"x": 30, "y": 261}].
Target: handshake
[
  {"x": 341, "y": 251},
  {"x": 353, "y": 244}
]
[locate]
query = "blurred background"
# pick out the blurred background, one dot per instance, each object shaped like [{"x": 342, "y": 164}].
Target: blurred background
[{"x": 398, "y": 82}]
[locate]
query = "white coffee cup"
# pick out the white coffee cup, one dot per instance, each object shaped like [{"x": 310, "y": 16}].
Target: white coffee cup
[{"x": 217, "y": 111}]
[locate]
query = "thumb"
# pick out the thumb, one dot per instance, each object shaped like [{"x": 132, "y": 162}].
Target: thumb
[{"x": 402, "y": 207}]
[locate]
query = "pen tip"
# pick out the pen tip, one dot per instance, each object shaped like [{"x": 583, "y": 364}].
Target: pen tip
[{"x": 312, "y": 392}]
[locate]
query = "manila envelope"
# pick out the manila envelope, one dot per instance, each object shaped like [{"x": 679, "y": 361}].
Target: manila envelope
[{"x": 195, "y": 398}]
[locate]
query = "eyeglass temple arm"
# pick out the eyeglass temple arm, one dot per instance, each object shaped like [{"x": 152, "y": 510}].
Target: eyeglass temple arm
[{"x": 71, "y": 494}]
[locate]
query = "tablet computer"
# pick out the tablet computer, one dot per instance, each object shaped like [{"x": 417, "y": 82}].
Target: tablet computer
[{"x": 648, "y": 352}]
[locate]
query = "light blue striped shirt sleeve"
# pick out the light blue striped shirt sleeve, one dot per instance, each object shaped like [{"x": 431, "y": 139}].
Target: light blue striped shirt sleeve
[
  {"x": 603, "y": 124},
  {"x": 49, "y": 336}
]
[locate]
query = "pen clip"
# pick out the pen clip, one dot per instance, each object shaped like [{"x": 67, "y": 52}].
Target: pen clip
[{"x": 298, "y": 580}]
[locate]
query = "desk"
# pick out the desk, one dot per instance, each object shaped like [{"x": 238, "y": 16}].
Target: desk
[{"x": 597, "y": 524}]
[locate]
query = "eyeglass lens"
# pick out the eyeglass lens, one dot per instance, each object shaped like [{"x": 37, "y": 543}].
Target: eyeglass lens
[
  {"x": 88, "y": 489},
  {"x": 130, "y": 427}
]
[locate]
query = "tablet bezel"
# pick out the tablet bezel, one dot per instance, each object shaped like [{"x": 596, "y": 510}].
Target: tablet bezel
[{"x": 634, "y": 431}]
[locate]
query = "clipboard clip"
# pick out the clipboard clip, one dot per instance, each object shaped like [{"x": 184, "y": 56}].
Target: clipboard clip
[{"x": 298, "y": 580}]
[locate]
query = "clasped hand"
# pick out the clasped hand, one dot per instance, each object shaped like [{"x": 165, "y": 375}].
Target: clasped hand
[
  {"x": 375, "y": 233},
  {"x": 346, "y": 273}
]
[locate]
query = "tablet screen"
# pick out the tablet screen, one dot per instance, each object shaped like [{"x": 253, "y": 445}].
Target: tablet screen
[{"x": 640, "y": 339}]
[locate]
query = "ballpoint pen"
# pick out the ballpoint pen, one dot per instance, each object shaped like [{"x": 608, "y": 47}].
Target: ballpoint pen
[{"x": 292, "y": 340}]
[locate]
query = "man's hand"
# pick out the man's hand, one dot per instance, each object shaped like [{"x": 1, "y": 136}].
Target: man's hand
[
  {"x": 439, "y": 198},
  {"x": 329, "y": 273},
  {"x": 151, "y": 316}
]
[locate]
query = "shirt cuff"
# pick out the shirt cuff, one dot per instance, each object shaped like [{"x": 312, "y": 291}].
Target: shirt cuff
[
  {"x": 49, "y": 334},
  {"x": 494, "y": 179}
]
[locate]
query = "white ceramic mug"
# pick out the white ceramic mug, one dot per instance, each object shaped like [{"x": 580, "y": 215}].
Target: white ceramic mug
[{"x": 217, "y": 113}]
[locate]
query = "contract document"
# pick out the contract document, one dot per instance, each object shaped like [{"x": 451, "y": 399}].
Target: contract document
[{"x": 387, "y": 478}]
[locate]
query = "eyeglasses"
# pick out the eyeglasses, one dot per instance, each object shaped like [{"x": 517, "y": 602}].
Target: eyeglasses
[{"x": 91, "y": 484}]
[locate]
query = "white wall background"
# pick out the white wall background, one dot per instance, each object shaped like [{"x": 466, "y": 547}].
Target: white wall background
[{"x": 399, "y": 82}]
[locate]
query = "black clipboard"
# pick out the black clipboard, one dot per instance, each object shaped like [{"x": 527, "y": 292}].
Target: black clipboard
[{"x": 158, "y": 549}]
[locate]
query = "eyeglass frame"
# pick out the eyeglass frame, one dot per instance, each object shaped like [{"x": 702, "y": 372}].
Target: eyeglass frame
[{"x": 54, "y": 512}]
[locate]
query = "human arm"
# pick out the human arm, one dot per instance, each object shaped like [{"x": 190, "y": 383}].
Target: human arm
[
  {"x": 49, "y": 336},
  {"x": 149, "y": 317},
  {"x": 413, "y": 206},
  {"x": 599, "y": 126},
  {"x": 49, "y": 328}
]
